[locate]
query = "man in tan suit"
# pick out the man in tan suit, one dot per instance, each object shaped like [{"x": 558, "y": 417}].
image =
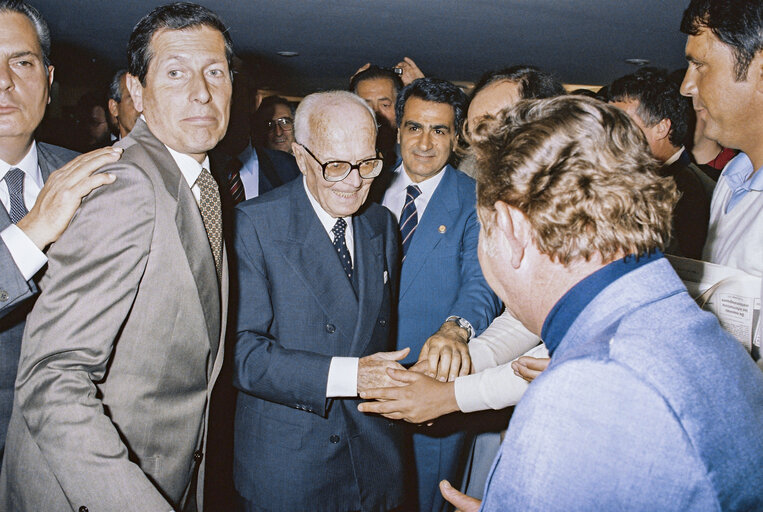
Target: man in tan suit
[{"x": 124, "y": 344}]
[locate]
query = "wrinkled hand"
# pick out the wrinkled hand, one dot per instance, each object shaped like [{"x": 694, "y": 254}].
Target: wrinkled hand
[
  {"x": 420, "y": 398},
  {"x": 372, "y": 370},
  {"x": 461, "y": 501},
  {"x": 447, "y": 353},
  {"x": 529, "y": 367},
  {"x": 361, "y": 69},
  {"x": 63, "y": 193},
  {"x": 410, "y": 70}
]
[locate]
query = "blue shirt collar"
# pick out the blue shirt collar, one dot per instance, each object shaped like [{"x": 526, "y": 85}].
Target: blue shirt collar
[{"x": 568, "y": 308}]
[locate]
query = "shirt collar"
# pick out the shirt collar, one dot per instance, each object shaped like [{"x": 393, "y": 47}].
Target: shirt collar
[
  {"x": 568, "y": 308},
  {"x": 28, "y": 164},
  {"x": 675, "y": 156},
  {"x": 427, "y": 187},
  {"x": 189, "y": 167},
  {"x": 326, "y": 219},
  {"x": 737, "y": 173}
]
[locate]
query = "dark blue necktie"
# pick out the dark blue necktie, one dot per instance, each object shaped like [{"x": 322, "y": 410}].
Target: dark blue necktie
[
  {"x": 409, "y": 219},
  {"x": 14, "y": 178},
  {"x": 341, "y": 246}
]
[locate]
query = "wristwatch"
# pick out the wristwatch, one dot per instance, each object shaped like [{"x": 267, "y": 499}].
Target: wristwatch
[{"x": 462, "y": 323}]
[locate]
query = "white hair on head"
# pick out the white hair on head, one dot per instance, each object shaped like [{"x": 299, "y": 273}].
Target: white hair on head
[{"x": 315, "y": 104}]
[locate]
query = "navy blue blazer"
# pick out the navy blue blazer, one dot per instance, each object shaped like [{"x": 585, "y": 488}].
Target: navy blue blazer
[
  {"x": 294, "y": 448},
  {"x": 441, "y": 275}
]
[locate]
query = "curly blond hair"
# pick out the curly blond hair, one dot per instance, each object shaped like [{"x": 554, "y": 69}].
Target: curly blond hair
[{"x": 581, "y": 172}]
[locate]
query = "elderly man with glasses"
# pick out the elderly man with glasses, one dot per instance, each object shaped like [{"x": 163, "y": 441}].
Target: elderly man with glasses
[{"x": 317, "y": 271}]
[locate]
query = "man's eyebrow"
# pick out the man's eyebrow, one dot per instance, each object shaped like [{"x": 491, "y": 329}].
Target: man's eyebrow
[
  {"x": 414, "y": 124},
  {"x": 26, "y": 53},
  {"x": 690, "y": 58},
  {"x": 441, "y": 127}
]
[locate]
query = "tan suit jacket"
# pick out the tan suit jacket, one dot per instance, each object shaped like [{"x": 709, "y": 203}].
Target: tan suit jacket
[{"x": 121, "y": 350}]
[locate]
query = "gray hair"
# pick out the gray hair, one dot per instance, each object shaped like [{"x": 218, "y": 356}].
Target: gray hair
[
  {"x": 115, "y": 91},
  {"x": 315, "y": 104},
  {"x": 40, "y": 26}
]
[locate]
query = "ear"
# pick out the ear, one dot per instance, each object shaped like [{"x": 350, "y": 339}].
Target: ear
[
  {"x": 756, "y": 71},
  {"x": 515, "y": 228},
  {"x": 662, "y": 129},
  {"x": 299, "y": 155},
  {"x": 51, "y": 71},
  {"x": 113, "y": 108},
  {"x": 136, "y": 91}
]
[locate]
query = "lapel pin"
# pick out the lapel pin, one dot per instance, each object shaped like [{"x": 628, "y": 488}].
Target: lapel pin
[{"x": 442, "y": 228}]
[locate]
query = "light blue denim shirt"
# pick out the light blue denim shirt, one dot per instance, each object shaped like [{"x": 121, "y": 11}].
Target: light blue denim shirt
[{"x": 647, "y": 404}]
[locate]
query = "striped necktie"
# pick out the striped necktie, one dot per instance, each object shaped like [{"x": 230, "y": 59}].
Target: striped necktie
[
  {"x": 409, "y": 218},
  {"x": 14, "y": 178},
  {"x": 235, "y": 184}
]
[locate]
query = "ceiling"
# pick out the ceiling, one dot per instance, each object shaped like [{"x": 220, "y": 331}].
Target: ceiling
[{"x": 582, "y": 41}]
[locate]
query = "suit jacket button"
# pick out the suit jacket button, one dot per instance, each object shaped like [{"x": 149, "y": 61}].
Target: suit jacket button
[
  {"x": 334, "y": 439},
  {"x": 4, "y": 296},
  {"x": 197, "y": 456},
  {"x": 83, "y": 508},
  {"x": 330, "y": 328},
  {"x": 382, "y": 322}
]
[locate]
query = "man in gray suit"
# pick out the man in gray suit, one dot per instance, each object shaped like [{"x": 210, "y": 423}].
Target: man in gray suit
[
  {"x": 33, "y": 215},
  {"x": 124, "y": 344}
]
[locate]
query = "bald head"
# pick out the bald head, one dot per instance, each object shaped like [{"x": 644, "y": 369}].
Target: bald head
[
  {"x": 335, "y": 126},
  {"x": 329, "y": 116}
]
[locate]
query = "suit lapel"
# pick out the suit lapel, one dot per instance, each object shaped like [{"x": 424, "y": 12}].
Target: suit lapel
[
  {"x": 190, "y": 228},
  {"x": 441, "y": 210},
  {"x": 44, "y": 162},
  {"x": 369, "y": 265},
  {"x": 267, "y": 174},
  {"x": 313, "y": 259}
]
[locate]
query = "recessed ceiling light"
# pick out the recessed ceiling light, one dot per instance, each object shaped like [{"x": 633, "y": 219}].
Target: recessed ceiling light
[
  {"x": 637, "y": 62},
  {"x": 285, "y": 53}
]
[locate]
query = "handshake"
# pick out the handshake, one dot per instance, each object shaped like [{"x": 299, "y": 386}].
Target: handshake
[{"x": 427, "y": 390}]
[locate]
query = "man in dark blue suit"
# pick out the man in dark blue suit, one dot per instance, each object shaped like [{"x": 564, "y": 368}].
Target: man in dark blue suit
[
  {"x": 318, "y": 275},
  {"x": 444, "y": 299}
]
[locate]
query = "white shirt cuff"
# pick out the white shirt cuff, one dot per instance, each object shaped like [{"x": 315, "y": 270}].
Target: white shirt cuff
[
  {"x": 343, "y": 377},
  {"x": 28, "y": 257}
]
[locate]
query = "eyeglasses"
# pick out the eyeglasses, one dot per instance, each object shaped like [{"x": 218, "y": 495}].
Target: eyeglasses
[
  {"x": 286, "y": 124},
  {"x": 337, "y": 170}
]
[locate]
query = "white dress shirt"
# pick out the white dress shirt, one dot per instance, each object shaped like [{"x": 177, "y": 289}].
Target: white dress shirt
[
  {"x": 343, "y": 371},
  {"x": 190, "y": 169},
  {"x": 394, "y": 197},
  {"x": 27, "y": 256},
  {"x": 250, "y": 172}
]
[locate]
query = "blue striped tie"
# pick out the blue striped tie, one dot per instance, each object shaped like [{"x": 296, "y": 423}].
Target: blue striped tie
[
  {"x": 15, "y": 180},
  {"x": 409, "y": 218}
]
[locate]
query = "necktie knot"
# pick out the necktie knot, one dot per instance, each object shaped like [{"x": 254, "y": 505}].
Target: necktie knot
[
  {"x": 339, "y": 228},
  {"x": 14, "y": 178},
  {"x": 412, "y": 192}
]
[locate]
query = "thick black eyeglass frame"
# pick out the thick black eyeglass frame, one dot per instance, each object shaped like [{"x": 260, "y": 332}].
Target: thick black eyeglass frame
[
  {"x": 352, "y": 166},
  {"x": 286, "y": 123}
]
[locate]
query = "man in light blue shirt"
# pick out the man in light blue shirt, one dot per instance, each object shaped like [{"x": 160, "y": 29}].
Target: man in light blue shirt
[{"x": 647, "y": 403}]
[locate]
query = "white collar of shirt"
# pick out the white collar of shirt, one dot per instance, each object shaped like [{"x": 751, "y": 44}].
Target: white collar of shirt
[
  {"x": 394, "y": 198},
  {"x": 189, "y": 168},
  {"x": 328, "y": 221},
  {"x": 675, "y": 156},
  {"x": 28, "y": 164}
]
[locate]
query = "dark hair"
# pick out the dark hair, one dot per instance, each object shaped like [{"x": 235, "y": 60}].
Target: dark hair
[
  {"x": 267, "y": 104},
  {"x": 40, "y": 26},
  {"x": 177, "y": 16},
  {"x": 533, "y": 83},
  {"x": 115, "y": 91},
  {"x": 736, "y": 23},
  {"x": 659, "y": 98},
  {"x": 374, "y": 72},
  {"x": 437, "y": 90}
]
